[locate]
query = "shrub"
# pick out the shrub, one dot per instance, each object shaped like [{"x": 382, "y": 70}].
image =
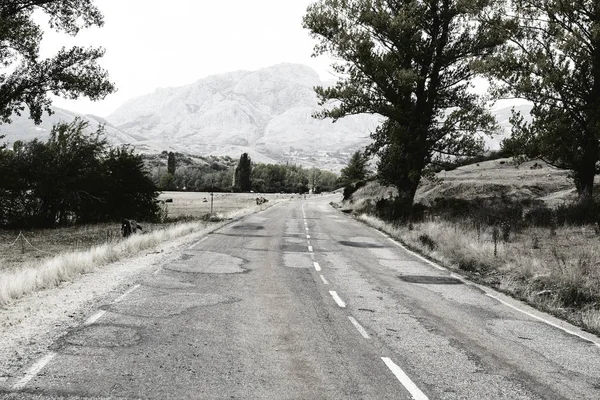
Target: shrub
[
  {"x": 427, "y": 241},
  {"x": 540, "y": 216},
  {"x": 579, "y": 213}
]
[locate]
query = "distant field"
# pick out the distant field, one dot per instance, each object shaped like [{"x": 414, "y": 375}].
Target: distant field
[
  {"x": 197, "y": 204},
  {"x": 39, "y": 244}
]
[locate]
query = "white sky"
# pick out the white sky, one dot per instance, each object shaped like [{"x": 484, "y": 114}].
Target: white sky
[{"x": 152, "y": 43}]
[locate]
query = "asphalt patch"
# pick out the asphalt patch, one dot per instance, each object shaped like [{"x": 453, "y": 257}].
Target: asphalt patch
[
  {"x": 430, "y": 280},
  {"x": 99, "y": 335},
  {"x": 165, "y": 306},
  {"x": 248, "y": 227},
  {"x": 207, "y": 262},
  {"x": 362, "y": 245}
]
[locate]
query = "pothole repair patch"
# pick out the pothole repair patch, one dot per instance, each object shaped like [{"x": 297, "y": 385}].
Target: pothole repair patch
[
  {"x": 207, "y": 262},
  {"x": 165, "y": 282},
  {"x": 164, "y": 306},
  {"x": 103, "y": 336}
]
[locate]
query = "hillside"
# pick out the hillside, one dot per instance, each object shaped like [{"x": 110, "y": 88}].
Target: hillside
[
  {"x": 532, "y": 180},
  {"x": 22, "y": 128}
]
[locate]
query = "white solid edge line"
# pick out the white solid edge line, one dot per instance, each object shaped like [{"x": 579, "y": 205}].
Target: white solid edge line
[
  {"x": 317, "y": 266},
  {"x": 198, "y": 242},
  {"x": 94, "y": 317},
  {"x": 121, "y": 297},
  {"x": 487, "y": 294},
  {"x": 490, "y": 295},
  {"x": 414, "y": 391},
  {"x": 570, "y": 332},
  {"x": 310, "y": 249},
  {"x": 324, "y": 280},
  {"x": 359, "y": 328},
  {"x": 337, "y": 299},
  {"x": 416, "y": 254},
  {"x": 33, "y": 371}
]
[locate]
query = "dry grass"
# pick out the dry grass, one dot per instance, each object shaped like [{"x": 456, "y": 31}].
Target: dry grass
[
  {"x": 197, "y": 204},
  {"x": 557, "y": 273},
  {"x": 27, "y": 273}
]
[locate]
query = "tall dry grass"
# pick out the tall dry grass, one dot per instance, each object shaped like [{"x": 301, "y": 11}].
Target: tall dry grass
[
  {"x": 558, "y": 272},
  {"x": 49, "y": 273}
]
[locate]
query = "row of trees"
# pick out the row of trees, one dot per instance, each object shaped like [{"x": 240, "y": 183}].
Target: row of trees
[
  {"x": 414, "y": 61},
  {"x": 74, "y": 177},
  {"x": 226, "y": 175}
]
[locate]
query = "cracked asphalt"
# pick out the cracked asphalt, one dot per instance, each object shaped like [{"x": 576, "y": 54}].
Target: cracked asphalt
[{"x": 303, "y": 302}]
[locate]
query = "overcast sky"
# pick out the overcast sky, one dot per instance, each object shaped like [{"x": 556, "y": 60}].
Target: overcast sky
[{"x": 152, "y": 43}]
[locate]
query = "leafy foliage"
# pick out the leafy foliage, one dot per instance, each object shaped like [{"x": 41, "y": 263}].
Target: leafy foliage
[
  {"x": 553, "y": 60},
  {"x": 212, "y": 173},
  {"x": 356, "y": 170},
  {"x": 243, "y": 173},
  {"x": 72, "y": 178},
  {"x": 411, "y": 62},
  {"x": 25, "y": 78}
]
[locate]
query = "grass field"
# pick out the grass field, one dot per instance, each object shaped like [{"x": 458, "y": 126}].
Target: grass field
[{"x": 197, "y": 204}]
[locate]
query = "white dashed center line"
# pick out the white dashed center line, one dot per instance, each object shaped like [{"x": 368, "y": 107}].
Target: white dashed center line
[
  {"x": 33, "y": 371},
  {"x": 121, "y": 297},
  {"x": 317, "y": 266},
  {"x": 94, "y": 318},
  {"x": 310, "y": 249},
  {"x": 405, "y": 380},
  {"x": 308, "y": 236},
  {"x": 359, "y": 328},
  {"x": 324, "y": 280},
  {"x": 198, "y": 242},
  {"x": 337, "y": 299}
]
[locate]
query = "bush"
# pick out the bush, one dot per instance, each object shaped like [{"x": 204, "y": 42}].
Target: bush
[
  {"x": 350, "y": 189},
  {"x": 540, "y": 216},
  {"x": 427, "y": 241},
  {"x": 580, "y": 213}
]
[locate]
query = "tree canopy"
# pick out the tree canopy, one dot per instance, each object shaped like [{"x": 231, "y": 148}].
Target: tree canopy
[
  {"x": 356, "y": 170},
  {"x": 72, "y": 178},
  {"x": 27, "y": 80},
  {"x": 553, "y": 60},
  {"x": 411, "y": 62}
]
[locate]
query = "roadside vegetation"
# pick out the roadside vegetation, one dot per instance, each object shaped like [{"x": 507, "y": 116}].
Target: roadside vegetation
[
  {"x": 51, "y": 257},
  {"x": 505, "y": 237}
]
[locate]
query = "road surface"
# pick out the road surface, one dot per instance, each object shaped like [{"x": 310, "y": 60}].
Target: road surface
[{"x": 303, "y": 302}]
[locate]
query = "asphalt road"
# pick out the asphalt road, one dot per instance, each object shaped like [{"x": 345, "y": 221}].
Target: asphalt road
[{"x": 302, "y": 302}]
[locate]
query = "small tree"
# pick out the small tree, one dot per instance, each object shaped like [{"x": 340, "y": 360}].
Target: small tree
[
  {"x": 171, "y": 163},
  {"x": 243, "y": 173},
  {"x": 356, "y": 170}
]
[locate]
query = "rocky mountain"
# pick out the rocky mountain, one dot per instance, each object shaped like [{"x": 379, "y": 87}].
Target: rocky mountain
[{"x": 266, "y": 113}]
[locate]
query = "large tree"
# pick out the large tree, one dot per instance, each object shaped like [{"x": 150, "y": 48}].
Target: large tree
[
  {"x": 411, "y": 62},
  {"x": 553, "y": 60},
  {"x": 26, "y": 79}
]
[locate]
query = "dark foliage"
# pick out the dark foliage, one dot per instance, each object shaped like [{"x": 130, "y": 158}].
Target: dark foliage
[{"x": 72, "y": 178}]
